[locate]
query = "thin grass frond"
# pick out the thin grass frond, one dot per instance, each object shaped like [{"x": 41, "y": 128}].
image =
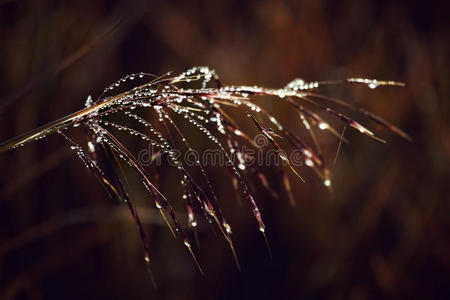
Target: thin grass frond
[{"x": 198, "y": 97}]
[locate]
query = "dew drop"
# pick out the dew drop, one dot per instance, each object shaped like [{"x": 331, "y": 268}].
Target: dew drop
[
  {"x": 227, "y": 228},
  {"x": 91, "y": 146},
  {"x": 323, "y": 126}
]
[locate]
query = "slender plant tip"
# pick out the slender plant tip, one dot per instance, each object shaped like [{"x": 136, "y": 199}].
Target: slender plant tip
[{"x": 198, "y": 97}]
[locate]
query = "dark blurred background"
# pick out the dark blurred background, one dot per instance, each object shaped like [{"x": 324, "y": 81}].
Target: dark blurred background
[{"x": 385, "y": 234}]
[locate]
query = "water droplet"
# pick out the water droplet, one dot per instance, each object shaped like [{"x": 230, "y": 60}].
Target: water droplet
[
  {"x": 323, "y": 126},
  {"x": 309, "y": 163},
  {"x": 91, "y": 146},
  {"x": 227, "y": 228},
  {"x": 373, "y": 85},
  {"x": 307, "y": 153}
]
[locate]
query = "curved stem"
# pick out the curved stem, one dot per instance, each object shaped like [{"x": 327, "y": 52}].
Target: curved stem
[{"x": 51, "y": 127}]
